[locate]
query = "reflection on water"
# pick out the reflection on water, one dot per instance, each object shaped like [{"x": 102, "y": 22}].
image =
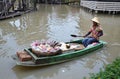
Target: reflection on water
[
  {"x": 18, "y": 24},
  {"x": 61, "y": 24},
  {"x": 56, "y": 22}
]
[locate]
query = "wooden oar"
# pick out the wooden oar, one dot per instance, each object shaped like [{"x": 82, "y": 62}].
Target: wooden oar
[{"x": 75, "y": 35}]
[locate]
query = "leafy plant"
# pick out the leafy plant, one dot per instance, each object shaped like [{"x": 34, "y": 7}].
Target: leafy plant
[{"x": 112, "y": 71}]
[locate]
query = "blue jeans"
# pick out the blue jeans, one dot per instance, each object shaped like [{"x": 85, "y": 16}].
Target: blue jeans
[{"x": 88, "y": 40}]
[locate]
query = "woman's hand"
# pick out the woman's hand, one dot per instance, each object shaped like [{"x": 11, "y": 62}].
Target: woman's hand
[
  {"x": 84, "y": 36},
  {"x": 95, "y": 36}
]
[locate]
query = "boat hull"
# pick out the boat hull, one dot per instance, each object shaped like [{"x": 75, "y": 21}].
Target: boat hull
[{"x": 49, "y": 60}]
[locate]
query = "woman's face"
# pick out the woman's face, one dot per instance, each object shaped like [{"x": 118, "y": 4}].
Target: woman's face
[{"x": 94, "y": 23}]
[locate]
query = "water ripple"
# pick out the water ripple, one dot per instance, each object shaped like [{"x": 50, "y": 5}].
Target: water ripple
[{"x": 115, "y": 44}]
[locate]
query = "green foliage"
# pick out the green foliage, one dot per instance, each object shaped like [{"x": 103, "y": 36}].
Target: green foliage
[{"x": 112, "y": 71}]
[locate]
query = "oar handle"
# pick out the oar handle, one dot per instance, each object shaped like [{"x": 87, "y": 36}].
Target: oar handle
[{"x": 75, "y": 35}]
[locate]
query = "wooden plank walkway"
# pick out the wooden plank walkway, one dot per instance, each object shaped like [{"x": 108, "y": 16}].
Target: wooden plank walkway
[{"x": 101, "y": 5}]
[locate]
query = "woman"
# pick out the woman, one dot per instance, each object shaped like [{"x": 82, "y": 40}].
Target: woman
[{"x": 94, "y": 33}]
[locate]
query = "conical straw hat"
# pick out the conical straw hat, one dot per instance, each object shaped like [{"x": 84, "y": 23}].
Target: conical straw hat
[{"x": 95, "y": 19}]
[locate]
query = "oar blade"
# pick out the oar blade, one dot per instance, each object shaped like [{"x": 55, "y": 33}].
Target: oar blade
[{"x": 73, "y": 35}]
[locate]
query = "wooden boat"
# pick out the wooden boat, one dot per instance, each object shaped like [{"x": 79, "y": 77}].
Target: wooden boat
[
  {"x": 49, "y": 60},
  {"x": 10, "y": 15},
  {"x": 14, "y": 14}
]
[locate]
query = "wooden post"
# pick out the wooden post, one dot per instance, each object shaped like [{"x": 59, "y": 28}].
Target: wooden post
[
  {"x": 19, "y": 5},
  {"x": 24, "y": 5},
  {"x": 35, "y": 4}
]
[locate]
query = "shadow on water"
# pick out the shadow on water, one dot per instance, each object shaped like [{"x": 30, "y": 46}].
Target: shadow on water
[{"x": 50, "y": 71}]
